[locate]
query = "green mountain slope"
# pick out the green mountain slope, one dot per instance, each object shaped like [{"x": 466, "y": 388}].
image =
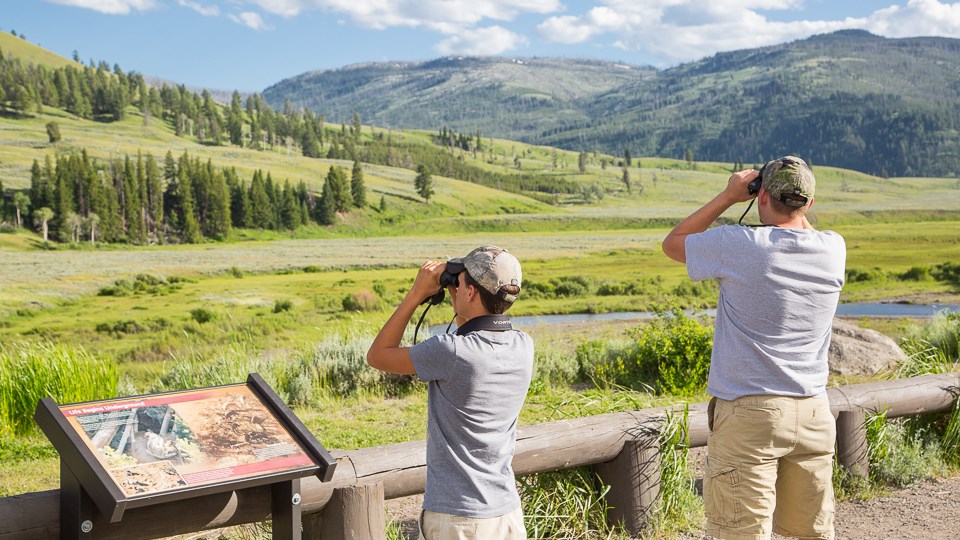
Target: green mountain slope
[
  {"x": 847, "y": 99},
  {"x": 523, "y": 96},
  {"x": 28, "y": 52}
]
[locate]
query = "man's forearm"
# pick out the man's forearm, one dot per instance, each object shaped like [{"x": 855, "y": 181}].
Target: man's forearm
[
  {"x": 697, "y": 222},
  {"x": 391, "y": 334}
]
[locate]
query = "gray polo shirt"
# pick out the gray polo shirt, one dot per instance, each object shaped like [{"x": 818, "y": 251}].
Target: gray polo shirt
[
  {"x": 477, "y": 384},
  {"x": 779, "y": 290}
]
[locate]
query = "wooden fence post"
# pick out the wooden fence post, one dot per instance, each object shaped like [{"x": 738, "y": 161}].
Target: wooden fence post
[
  {"x": 634, "y": 480},
  {"x": 852, "y": 443},
  {"x": 353, "y": 513}
]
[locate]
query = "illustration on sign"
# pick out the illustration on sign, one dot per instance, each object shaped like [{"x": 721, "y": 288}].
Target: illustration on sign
[{"x": 182, "y": 439}]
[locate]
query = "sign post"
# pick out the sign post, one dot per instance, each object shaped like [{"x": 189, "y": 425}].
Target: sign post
[{"x": 148, "y": 450}]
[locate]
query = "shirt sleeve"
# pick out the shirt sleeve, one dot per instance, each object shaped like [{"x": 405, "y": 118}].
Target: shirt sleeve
[
  {"x": 435, "y": 359},
  {"x": 704, "y": 252}
]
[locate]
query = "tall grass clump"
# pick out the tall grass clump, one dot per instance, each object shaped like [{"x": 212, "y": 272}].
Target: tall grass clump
[
  {"x": 554, "y": 367},
  {"x": 339, "y": 365},
  {"x": 671, "y": 354},
  {"x": 229, "y": 365},
  {"x": 31, "y": 371},
  {"x": 335, "y": 367},
  {"x": 565, "y": 504},
  {"x": 935, "y": 348},
  {"x": 678, "y": 507},
  {"x": 899, "y": 456}
]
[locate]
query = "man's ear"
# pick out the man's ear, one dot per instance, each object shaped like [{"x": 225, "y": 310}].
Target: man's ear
[{"x": 472, "y": 293}]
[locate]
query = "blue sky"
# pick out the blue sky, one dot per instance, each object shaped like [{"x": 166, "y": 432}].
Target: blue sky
[{"x": 250, "y": 44}]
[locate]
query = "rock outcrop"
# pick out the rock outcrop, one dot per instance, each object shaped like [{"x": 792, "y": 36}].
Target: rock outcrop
[{"x": 860, "y": 351}]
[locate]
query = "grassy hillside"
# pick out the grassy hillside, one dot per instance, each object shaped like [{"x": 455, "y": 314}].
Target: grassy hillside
[
  {"x": 28, "y": 52},
  {"x": 528, "y": 94}
]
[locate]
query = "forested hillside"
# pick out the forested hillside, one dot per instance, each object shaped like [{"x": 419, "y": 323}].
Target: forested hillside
[
  {"x": 848, "y": 99},
  {"x": 79, "y": 195}
]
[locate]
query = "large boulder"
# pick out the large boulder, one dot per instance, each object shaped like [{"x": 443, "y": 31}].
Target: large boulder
[{"x": 860, "y": 351}]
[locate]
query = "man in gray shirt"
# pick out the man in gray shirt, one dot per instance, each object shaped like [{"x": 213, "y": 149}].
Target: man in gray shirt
[
  {"x": 477, "y": 381},
  {"x": 770, "y": 450}
]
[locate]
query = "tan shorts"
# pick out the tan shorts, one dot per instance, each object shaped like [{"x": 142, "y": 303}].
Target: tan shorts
[
  {"x": 770, "y": 457},
  {"x": 437, "y": 526}
]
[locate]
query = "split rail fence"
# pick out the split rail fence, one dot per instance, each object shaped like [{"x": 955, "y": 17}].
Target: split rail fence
[{"x": 622, "y": 448}]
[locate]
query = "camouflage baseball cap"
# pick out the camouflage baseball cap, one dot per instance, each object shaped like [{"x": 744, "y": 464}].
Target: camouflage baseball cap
[
  {"x": 492, "y": 268},
  {"x": 789, "y": 180}
]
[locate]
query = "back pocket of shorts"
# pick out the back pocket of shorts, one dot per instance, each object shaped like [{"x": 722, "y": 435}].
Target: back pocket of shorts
[{"x": 721, "y": 491}]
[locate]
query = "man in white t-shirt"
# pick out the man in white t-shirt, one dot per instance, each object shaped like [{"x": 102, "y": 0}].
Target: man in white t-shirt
[{"x": 770, "y": 450}]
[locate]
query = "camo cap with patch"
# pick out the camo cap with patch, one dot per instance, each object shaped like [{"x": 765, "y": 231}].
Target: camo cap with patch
[
  {"x": 492, "y": 268},
  {"x": 789, "y": 180}
]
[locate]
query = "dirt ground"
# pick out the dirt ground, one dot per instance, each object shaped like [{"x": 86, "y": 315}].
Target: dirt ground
[{"x": 927, "y": 510}]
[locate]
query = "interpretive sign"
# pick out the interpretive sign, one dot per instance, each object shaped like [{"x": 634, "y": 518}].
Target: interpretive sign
[
  {"x": 139, "y": 451},
  {"x": 159, "y": 443}
]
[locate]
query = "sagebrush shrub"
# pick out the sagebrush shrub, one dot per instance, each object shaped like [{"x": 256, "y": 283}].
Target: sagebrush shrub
[{"x": 671, "y": 353}]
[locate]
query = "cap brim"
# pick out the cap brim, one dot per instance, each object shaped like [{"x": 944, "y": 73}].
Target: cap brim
[{"x": 455, "y": 266}]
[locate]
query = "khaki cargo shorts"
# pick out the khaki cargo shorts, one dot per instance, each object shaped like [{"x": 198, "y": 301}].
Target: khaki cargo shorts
[
  {"x": 770, "y": 457},
  {"x": 437, "y": 526}
]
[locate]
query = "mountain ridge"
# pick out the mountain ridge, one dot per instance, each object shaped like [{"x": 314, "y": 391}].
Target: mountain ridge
[{"x": 849, "y": 98}]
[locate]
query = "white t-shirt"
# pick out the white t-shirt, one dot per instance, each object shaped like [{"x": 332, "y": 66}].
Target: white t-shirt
[{"x": 779, "y": 290}]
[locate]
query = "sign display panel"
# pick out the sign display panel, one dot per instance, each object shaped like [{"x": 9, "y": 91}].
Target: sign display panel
[{"x": 181, "y": 440}]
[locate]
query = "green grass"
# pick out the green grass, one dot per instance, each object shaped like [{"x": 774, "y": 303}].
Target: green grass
[
  {"x": 31, "y": 371},
  {"x": 29, "y": 53}
]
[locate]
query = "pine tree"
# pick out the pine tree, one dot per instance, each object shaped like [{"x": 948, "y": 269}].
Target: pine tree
[
  {"x": 339, "y": 189},
  {"x": 290, "y": 210},
  {"x": 235, "y": 120},
  {"x": 132, "y": 210},
  {"x": 582, "y": 162},
  {"x": 424, "y": 182},
  {"x": 261, "y": 209},
  {"x": 218, "y": 212},
  {"x": 154, "y": 202},
  {"x": 357, "y": 187},
  {"x": 327, "y": 208},
  {"x": 63, "y": 202},
  {"x": 190, "y": 229}
]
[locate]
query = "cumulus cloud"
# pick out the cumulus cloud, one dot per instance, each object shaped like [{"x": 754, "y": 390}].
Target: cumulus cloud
[
  {"x": 110, "y": 7},
  {"x": 457, "y": 19},
  {"x": 445, "y": 16},
  {"x": 682, "y": 30},
  {"x": 250, "y": 20},
  {"x": 206, "y": 11},
  {"x": 491, "y": 40},
  {"x": 917, "y": 18}
]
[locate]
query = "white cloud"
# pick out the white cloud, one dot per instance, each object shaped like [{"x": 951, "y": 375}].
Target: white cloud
[
  {"x": 206, "y": 11},
  {"x": 682, "y": 30},
  {"x": 250, "y": 20},
  {"x": 285, "y": 8},
  {"x": 446, "y": 16},
  {"x": 110, "y": 7},
  {"x": 917, "y": 18},
  {"x": 487, "y": 41}
]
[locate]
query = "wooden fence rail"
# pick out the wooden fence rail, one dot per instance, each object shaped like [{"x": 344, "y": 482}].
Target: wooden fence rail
[{"x": 398, "y": 470}]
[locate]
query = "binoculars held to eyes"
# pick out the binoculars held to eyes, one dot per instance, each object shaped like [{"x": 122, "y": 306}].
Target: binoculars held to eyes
[{"x": 754, "y": 186}]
